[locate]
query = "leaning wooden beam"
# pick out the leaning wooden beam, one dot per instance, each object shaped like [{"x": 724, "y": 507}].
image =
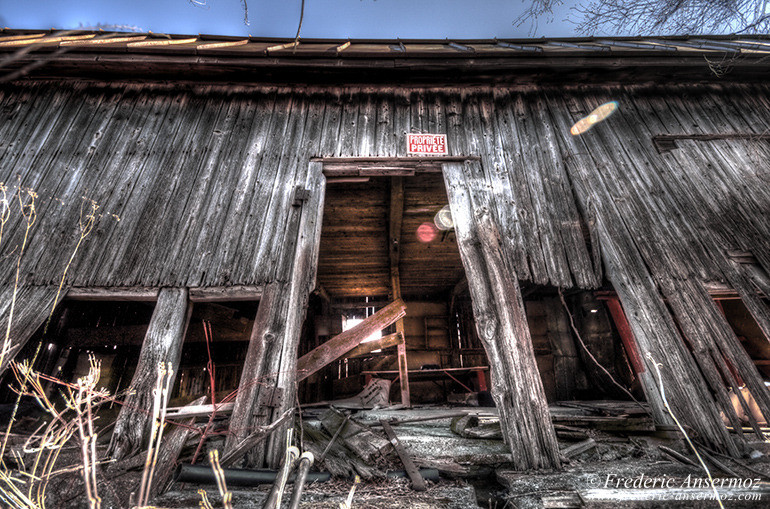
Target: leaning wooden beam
[
  {"x": 501, "y": 323},
  {"x": 395, "y": 223},
  {"x": 388, "y": 341},
  {"x": 162, "y": 345},
  {"x": 342, "y": 343}
]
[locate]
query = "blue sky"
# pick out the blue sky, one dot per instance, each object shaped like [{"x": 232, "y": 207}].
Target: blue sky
[{"x": 278, "y": 18}]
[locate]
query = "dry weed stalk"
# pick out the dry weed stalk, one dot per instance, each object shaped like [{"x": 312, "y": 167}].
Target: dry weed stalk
[
  {"x": 160, "y": 394},
  {"x": 83, "y": 403},
  {"x": 29, "y": 213},
  {"x": 662, "y": 390},
  {"x": 219, "y": 474},
  {"x": 26, "y": 487}
]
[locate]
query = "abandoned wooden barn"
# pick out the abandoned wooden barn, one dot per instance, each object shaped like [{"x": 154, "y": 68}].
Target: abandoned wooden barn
[{"x": 261, "y": 215}]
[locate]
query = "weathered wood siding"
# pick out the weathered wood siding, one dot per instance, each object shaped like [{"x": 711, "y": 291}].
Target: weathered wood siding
[
  {"x": 203, "y": 181},
  {"x": 668, "y": 223},
  {"x": 202, "y": 178}
]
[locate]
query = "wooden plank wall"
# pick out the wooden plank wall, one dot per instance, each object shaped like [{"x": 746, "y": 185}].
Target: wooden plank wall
[
  {"x": 667, "y": 224},
  {"x": 202, "y": 178}
]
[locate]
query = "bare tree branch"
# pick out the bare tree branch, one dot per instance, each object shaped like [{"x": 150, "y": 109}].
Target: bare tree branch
[{"x": 659, "y": 17}]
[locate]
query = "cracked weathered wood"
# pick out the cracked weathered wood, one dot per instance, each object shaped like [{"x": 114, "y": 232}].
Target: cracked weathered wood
[
  {"x": 267, "y": 387},
  {"x": 502, "y": 326},
  {"x": 31, "y": 311},
  {"x": 162, "y": 345}
]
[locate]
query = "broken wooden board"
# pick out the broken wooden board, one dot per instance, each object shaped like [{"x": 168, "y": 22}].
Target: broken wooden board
[
  {"x": 374, "y": 395},
  {"x": 198, "y": 410},
  {"x": 578, "y": 448},
  {"x": 369, "y": 446}
]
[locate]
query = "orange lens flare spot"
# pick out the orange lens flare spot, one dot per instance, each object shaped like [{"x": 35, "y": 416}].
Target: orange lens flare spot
[
  {"x": 427, "y": 232},
  {"x": 599, "y": 114}
]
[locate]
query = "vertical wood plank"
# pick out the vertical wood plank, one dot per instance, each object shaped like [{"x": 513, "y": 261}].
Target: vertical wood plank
[
  {"x": 394, "y": 231},
  {"x": 162, "y": 345}
]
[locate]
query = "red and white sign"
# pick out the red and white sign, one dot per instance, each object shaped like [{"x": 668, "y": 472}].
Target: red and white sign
[{"x": 426, "y": 144}]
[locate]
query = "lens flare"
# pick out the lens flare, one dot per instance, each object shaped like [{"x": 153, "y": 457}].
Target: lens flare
[
  {"x": 443, "y": 219},
  {"x": 599, "y": 114},
  {"x": 427, "y": 232}
]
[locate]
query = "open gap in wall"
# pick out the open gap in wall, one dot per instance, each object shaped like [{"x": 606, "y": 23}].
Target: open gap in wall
[
  {"x": 757, "y": 347},
  {"x": 111, "y": 332},
  {"x": 446, "y": 359},
  {"x": 214, "y": 350}
]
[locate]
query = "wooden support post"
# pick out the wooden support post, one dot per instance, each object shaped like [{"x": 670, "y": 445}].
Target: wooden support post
[
  {"x": 162, "y": 345},
  {"x": 269, "y": 379},
  {"x": 340, "y": 344},
  {"x": 394, "y": 228},
  {"x": 501, "y": 323}
]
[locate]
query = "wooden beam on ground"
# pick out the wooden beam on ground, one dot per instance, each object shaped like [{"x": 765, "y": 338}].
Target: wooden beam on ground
[
  {"x": 395, "y": 222},
  {"x": 501, "y": 322},
  {"x": 162, "y": 345},
  {"x": 418, "y": 483},
  {"x": 578, "y": 448},
  {"x": 388, "y": 341},
  {"x": 342, "y": 343}
]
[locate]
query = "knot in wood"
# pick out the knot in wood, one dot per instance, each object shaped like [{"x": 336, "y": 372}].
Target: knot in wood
[
  {"x": 487, "y": 327},
  {"x": 269, "y": 337},
  {"x": 481, "y": 212}
]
